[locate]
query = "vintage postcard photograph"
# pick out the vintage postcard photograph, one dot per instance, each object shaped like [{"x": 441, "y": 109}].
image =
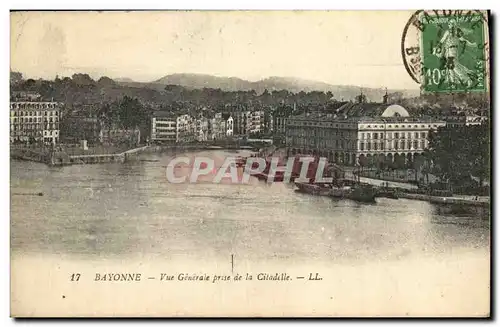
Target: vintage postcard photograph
[{"x": 250, "y": 163}]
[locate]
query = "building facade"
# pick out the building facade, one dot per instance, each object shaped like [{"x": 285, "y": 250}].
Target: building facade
[
  {"x": 164, "y": 128},
  {"x": 171, "y": 128},
  {"x": 227, "y": 125},
  {"x": 256, "y": 125},
  {"x": 35, "y": 122},
  {"x": 242, "y": 121},
  {"x": 186, "y": 129},
  {"x": 388, "y": 138},
  {"x": 201, "y": 129}
]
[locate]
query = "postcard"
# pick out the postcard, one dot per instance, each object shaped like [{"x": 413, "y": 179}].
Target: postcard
[{"x": 250, "y": 163}]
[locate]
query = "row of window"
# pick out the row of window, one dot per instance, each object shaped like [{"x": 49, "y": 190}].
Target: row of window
[
  {"x": 34, "y": 127},
  {"x": 307, "y": 123},
  {"x": 397, "y": 145},
  {"x": 35, "y": 119},
  {"x": 308, "y": 142},
  {"x": 27, "y": 133},
  {"x": 368, "y": 136},
  {"x": 321, "y": 133},
  {"x": 363, "y": 146},
  {"x": 34, "y": 113},
  {"x": 32, "y": 106},
  {"x": 400, "y": 126},
  {"x": 402, "y": 135},
  {"x": 322, "y": 124}
]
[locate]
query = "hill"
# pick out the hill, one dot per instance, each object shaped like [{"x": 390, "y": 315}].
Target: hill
[{"x": 275, "y": 83}]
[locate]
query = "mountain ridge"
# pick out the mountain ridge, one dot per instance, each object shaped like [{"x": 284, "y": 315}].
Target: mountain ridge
[{"x": 274, "y": 83}]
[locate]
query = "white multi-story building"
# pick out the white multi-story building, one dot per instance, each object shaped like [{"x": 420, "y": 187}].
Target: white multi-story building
[
  {"x": 170, "y": 128},
  {"x": 256, "y": 122},
  {"x": 228, "y": 124},
  {"x": 186, "y": 128},
  {"x": 35, "y": 122},
  {"x": 201, "y": 129},
  {"x": 389, "y": 136},
  {"x": 164, "y": 127}
]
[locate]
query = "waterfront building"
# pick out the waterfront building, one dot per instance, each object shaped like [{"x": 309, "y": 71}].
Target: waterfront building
[
  {"x": 201, "y": 129},
  {"x": 365, "y": 134},
  {"x": 172, "y": 128},
  {"x": 256, "y": 122},
  {"x": 248, "y": 122},
  {"x": 186, "y": 128},
  {"x": 279, "y": 124},
  {"x": 35, "y": 122},
  {"x": 214, "y": 126},
  {"x": 222, "y": 126},
  {"x": 228, "y": 125},
  {"x": 164, "y": 127},
  {"x": 242, "y": 122}
]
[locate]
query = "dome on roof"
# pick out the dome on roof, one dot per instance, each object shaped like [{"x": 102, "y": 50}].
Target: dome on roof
[{"x": 395, "y": 110}]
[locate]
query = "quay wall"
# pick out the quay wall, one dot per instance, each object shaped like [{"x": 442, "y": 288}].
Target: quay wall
[
  {"x": 193, "y": 147},
  {"x": 106, "y": 158},
  {"x": 61, "y": 158},
  {"x": 446, "y": 200}
]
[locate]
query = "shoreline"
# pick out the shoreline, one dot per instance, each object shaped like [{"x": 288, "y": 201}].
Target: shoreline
[{"x": 62, "y": 158}]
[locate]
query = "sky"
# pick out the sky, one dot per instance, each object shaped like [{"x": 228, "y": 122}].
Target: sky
[{"x": 336, "y": 47}]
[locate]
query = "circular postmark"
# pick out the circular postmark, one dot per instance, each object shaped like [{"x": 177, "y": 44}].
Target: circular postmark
[{"x": 447, "y": 50}]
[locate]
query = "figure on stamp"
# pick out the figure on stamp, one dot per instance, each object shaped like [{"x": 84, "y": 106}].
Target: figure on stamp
[{"x": 447, "y": 50}]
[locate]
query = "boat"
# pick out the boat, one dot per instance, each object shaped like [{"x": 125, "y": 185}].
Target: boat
[
  {"x": 322, "y": 189},
  {"x": 340, "y": 192},
  {"x": 390, "y": 193},
  {"x": 363, "y": 193}
]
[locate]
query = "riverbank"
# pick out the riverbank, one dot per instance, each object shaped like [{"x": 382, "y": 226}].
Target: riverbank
[
  {"x": 64, "y": 155},
  {"x": 193, "y": 147},
  {"x": 60, "y": 157}
]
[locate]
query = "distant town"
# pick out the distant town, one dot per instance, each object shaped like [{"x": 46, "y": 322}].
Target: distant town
[{"x": 446, "y": 135}]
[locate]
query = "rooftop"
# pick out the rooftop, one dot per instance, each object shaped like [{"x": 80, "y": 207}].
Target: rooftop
[
  {"x": 165, "y": 114},
  {"x": 362, "y": 119}
]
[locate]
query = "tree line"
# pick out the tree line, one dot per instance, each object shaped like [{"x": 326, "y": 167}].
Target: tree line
[{"x": 461, "y": 157}]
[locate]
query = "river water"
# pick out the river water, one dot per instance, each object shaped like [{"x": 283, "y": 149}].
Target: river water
[{"x": 123, "y": 211}]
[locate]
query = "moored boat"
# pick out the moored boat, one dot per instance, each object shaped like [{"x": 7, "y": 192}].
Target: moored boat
[
  {"x": 363, "y": 193},
  {"x": 340, "y": 192},
  {"x": 390, "y": 193},
  {"x": 314, "y": 189}
]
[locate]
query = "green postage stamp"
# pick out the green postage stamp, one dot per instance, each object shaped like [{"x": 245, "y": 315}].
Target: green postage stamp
[{"x": 454, "y": 53}]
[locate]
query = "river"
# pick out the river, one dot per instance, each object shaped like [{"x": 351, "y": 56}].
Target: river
[{"x": 119, "y": 212}]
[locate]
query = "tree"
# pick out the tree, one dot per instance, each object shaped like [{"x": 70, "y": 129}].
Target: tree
[
  {"x": 361, "y": 98},
  {"x": 105, "y": 81},
  {"x": 131, "y": 113},
  {"x": 15, "y": 77},
  {"x": 82, "y": 79},
  {"x": 456, "y": 154}
]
